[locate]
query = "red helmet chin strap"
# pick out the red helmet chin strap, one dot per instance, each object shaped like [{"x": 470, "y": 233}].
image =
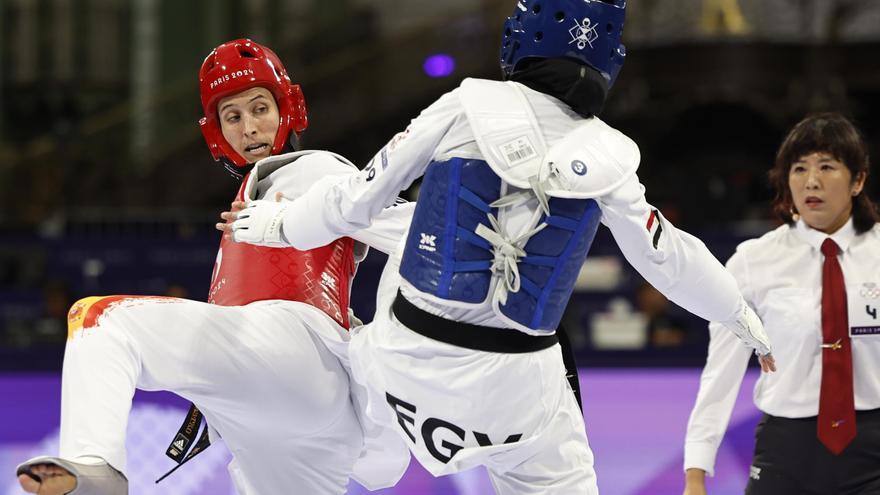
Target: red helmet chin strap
[{"x": 237, "y": 66}]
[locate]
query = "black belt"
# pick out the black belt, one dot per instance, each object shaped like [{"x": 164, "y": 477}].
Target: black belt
[{"x": 476, "y": 337}]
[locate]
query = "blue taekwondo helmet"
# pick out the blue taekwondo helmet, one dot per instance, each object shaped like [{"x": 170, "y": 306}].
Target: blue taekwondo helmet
[{"x": 586, "y": 30}]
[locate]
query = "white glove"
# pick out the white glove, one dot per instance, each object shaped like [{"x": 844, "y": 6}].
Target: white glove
[
  {"x": 259, "y": 223},
  {"x": 749, "y": 329}
]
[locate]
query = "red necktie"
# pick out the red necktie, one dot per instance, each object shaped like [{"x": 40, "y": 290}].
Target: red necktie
[{"x": 837, "y": 413}]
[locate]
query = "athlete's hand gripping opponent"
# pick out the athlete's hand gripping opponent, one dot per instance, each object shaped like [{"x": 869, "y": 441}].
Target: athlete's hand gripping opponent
[
  {"x": 748, "y": 327},
  {"x": 256, "y": 222}
]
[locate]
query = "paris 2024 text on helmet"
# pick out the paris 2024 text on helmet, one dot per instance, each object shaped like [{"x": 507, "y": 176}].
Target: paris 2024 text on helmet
[
  {"x": 588, "y": 31},
  {"x": 237, "y": 66}
]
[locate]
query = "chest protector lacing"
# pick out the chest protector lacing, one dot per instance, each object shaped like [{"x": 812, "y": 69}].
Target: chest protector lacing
[{"x": 509, "y": 251}]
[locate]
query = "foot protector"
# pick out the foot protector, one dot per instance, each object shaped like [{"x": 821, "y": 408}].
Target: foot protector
[{"x": 97, "y": 479}]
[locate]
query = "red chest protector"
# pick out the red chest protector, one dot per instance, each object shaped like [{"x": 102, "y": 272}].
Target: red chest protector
[{"x": 321, "y": 277}]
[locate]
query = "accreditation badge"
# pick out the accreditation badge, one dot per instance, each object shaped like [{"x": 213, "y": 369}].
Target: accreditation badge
[{"x": 864, "y": 309}]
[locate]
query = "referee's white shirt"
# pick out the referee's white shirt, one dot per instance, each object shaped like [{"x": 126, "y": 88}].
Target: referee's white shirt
[{"x": 780, "y": 275}]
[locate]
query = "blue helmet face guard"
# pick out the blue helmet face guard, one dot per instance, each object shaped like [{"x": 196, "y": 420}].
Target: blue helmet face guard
[{"x": 589, "y": 31}]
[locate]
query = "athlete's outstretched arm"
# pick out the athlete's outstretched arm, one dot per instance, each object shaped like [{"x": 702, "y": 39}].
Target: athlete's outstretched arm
[
  {"x": 679, "y": 265},
  {"x": 336, "y": 207},
  {"x": 388, "y": 228}
]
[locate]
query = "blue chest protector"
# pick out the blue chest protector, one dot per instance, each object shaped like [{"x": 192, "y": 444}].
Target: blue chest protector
[{"x": 446, "y": 259}]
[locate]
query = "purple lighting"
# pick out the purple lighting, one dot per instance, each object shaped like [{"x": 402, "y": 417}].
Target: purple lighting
[{"x": 439, "y": 65}]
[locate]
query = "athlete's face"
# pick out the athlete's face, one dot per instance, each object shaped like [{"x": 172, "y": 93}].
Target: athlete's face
[
  {"x": 249, "y": 121},
  {"x": 822, "y": 189}
]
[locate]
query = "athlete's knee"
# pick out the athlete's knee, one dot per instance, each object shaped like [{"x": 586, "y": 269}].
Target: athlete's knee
[{"x": 88, "y": 311}]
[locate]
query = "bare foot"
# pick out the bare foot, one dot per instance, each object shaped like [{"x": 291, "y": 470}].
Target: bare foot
[{"x": 54, "y": 480}]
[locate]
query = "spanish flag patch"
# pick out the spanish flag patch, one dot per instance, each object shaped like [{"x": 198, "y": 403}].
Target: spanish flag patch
[{"x": 86, "y": 312}]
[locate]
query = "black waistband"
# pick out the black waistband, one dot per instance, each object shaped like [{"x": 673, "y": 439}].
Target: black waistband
[
  {"x": 866, "y": 414},
  {"x": 476, "y": 337}
]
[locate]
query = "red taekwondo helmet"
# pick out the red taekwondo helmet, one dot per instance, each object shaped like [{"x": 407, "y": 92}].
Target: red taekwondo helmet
[{"x": 234, "y": 67}]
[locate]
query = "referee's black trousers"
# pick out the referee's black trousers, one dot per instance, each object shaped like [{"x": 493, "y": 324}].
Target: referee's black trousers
[{"x": 790, "y": 460}]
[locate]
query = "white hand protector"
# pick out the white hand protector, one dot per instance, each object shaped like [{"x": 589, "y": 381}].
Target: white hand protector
[
  {"x": 749, "y": 329},
  {"x": 259, "y": 223},
  {"x": 90, "y": 479}
]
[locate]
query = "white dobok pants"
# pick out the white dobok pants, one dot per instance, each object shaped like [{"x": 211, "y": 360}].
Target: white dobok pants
[
  {"x": 459, "y": 408},
  {"x": 267, "y": 376}
]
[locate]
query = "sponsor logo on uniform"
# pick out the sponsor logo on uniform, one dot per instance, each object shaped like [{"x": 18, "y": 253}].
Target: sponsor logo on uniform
[
  {"x": 579, "y": 167},
  {"x": 230, "y": 76},
  {"x": 178, "y": 446},
  {"x": 755, "y": 473},
  {"x": 428, "y": 242},
  {"x": 583, "y": 34},
  {"x": 328, "y": 281}
]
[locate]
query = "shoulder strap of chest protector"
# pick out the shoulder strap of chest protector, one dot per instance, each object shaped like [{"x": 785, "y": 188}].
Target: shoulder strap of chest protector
[{"x": 590, "y": 161}]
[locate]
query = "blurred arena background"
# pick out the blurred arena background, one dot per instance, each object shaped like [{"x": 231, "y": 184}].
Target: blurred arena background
[{"x": 106, "y": 186}]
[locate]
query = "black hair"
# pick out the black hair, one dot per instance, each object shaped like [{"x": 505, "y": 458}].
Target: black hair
[{"x": 830, "y": 133}]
